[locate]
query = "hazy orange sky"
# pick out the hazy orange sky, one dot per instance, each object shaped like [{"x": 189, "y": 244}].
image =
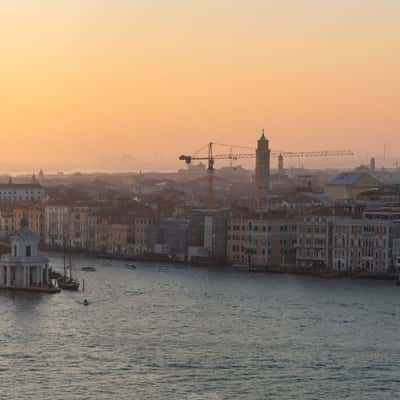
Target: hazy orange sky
[{"x": 129, "y": 84}]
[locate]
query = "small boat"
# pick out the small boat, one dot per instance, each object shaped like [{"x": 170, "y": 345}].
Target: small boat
[
  {"x": 329, "y": 275},
  {"x": 88, "y": 269},
  {"x": 131, "y": 265},
  {"x": 67, "y": 283}
]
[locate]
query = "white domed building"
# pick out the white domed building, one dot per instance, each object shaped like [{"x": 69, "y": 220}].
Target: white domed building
[{"x": 25, "y": 268}]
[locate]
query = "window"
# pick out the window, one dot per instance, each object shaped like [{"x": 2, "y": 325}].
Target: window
[{"x": 28, "y": 251}]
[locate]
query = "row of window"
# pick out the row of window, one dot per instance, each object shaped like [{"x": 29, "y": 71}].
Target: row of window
[{"x": 262, "y": 228}]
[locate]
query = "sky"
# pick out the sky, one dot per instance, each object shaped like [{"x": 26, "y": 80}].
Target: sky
[{"x": 127, "y": 85}]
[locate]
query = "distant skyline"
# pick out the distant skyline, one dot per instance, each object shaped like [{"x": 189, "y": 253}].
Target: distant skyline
[{"x": 130, "y": 85}]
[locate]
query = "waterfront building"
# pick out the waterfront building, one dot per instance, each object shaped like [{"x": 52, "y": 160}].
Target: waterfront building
[
  {"x": 56, "y": 225},
  {"x": 396, "y": 254},
  {"x": 364, "y": 245},
  {"x": 91, "y": 230},
  {"x": 22, "y": 192},
  {"x": 314, "y": 242},
  {"x": 78, "y": 227},
  {"x": 196, "y": 227},
  {"x": 111, "y": 238},
  {"x": 215, "y": 234},
  {"x": 141, "y": 231},
  {"x": 25, "y": 268},
  {"x": 262, "y": 172},
  {"x": 261, "y": 241},
  {"x": 170, "y": 233}
]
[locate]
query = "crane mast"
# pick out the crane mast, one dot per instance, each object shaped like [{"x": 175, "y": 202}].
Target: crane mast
[{"x": 210, "y": 157}]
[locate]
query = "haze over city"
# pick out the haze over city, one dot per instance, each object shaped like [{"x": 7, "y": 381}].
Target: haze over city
[{"x": 100, "y": 85}]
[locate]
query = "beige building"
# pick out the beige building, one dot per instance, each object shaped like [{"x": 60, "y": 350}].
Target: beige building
[
  {"x": 56, "y": 225},
  {"x": 111, "y": 238},
  {"x": 314, "y": 242},
  {"x": 261, "y": 242},
  {"x": 348, "y": 185}
]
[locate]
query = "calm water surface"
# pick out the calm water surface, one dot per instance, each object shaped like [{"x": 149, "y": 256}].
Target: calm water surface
[{"x": 187, "y": 333}]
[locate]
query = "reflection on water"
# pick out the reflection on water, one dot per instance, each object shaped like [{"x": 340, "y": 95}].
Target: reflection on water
[{"x": 189, "y": 333}]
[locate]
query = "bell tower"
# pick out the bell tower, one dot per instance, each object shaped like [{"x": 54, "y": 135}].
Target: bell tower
[{"x": 263, "y": 154}]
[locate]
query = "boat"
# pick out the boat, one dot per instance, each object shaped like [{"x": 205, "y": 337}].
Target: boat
[
  {"x": 88, "y": 269},
  {"x": 131, "y": 265},
  {"x": 329, "y": 275},
  {"x": 67, "y": 281}
]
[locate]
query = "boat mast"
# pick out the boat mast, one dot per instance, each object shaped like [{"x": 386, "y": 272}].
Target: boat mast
[
  {"x": 70, "y": 261},
  {"x": 65, "y": 249}
]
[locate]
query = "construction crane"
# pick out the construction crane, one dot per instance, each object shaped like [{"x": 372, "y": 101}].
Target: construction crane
[{"x": 210, "y": 157}]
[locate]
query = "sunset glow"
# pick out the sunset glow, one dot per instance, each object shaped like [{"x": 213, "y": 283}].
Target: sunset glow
[{"x": 129, "y": 85}]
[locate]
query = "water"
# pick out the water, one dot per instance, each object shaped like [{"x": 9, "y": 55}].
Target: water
[{"x": 189, "y": 333}]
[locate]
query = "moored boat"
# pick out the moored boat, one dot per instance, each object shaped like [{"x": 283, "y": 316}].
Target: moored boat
[
  {"x": 68, "y": 284},
  {"x": 67, "y": 281},
  {"x": 330, "y": 275},
  {"x": 88, "y": 269}
]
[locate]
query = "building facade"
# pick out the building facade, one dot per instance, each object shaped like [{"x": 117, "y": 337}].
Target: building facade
[
  {"x": 56, "y": 225},
  {"x": 111, "y": 238},
  {"x": 314, "y": 243},
  {"x": 364, "y": 245},
  {"x": 215, "y": 235},
  {"x": 261, "y": 242}
]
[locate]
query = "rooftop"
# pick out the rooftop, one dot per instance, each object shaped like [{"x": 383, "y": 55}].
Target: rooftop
[
  {"x": 26, "y": 235},
  {"x": 21, "y": 185},
  {"x": 349, "y": 178}
]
